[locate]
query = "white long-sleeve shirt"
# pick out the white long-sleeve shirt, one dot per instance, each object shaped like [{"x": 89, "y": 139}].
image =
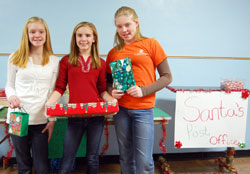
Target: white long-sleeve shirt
[{"x": 32, "y": 85}]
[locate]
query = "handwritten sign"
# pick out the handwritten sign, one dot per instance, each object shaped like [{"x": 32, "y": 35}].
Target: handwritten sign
[{"x": 210, "y": 119}]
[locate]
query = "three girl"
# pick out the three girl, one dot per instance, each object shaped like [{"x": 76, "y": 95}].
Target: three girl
[{"x": 85, "y": 74}]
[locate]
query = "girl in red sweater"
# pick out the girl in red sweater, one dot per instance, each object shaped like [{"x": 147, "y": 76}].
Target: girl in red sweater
[{"x": 85, "y": 74}]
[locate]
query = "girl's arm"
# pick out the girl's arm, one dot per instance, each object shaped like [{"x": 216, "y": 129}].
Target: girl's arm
[
  {"x": 164, "y": 80},
  {"x": 55, "y": 74},
  {"x": 54, "y": 98},
  {"x": 52, "y": 87},
  {"x": 107, "y": 97},
  {"x": 13, "y": 100},
  {"x": 60, "y": 83}
]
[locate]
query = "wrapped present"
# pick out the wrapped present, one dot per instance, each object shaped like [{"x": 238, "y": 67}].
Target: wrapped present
[
  {"x": 232, "y": 84},
  {"x": 18, "y": 124},
  {"x": 82, "y": 109},
  {"x": 123, "y": 77}
]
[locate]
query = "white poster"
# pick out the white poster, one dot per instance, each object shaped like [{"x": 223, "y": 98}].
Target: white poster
[{"x": 210, "y": 119}]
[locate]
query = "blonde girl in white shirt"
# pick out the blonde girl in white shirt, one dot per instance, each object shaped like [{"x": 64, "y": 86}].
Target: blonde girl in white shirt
[{"x": 32, "y": 72}]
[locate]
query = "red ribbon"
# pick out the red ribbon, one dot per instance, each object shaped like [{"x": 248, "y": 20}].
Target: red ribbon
[
  {"x": 244, "y": 92},
  {"x": 231, "y": 153},
  {"x": 168, "y": 171},
  {"x": 106, "y": 133},
  {"x": 223, "y": 164},
  {"x": 164, "y": 135},
  {"x": 9, "y": 153}
]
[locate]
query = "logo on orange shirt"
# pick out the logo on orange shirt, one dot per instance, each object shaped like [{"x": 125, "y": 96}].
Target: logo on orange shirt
[{"x": 141, "y": 52}]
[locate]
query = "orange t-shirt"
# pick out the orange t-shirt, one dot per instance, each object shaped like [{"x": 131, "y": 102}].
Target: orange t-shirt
[{"x": 145, "y": 56}]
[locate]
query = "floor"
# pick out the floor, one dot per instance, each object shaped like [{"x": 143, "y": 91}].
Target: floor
[{"x": 242, "y": 166}]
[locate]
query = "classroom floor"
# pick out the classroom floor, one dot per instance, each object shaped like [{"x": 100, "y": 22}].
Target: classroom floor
[{"x": 242, "y": 165}]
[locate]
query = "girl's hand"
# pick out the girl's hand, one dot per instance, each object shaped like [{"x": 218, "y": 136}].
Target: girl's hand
[
  {"x": 50, "y": 128},
  {"x": 114, "y": 100},
  {"x": 49, "y": 103},
  {"x": 135, "y": 91},
  {"x": 55, "y": 96},
  {"x": 14, "y": 102},
  {"x": 117, "y": 94}
]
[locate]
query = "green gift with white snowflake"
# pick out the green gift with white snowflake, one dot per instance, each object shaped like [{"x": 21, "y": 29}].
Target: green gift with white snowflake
[
  {"x": 18, "y": 124},
  {"x": 122, "y": 73}
]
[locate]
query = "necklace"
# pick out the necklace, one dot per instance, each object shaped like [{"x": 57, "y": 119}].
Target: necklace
[{"x": 85, "y": 66}]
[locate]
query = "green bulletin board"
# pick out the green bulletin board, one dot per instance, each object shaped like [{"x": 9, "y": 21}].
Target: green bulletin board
[{"x": 57, "y": 140}]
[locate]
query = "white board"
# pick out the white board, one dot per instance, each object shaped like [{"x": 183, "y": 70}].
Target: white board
[{"x": 210, "y": 119}]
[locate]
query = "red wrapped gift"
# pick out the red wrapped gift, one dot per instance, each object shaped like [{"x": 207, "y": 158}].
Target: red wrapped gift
[{"x": 82, "y": 109}]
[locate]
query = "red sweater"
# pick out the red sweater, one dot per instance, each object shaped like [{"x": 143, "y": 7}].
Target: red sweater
[{"x": 83, "y": 87}]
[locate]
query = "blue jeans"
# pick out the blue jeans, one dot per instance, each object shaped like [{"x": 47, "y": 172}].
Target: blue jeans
[
  {"x": 75, "y": 130},
  {"x": 135, "y": 136},
  {"x": 36, "y": 143}
]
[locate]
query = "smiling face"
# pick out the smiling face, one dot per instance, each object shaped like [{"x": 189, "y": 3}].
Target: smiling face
[
  {"x": 37, "y": 34},
  {"x": 126, "y": 28},
  {"x": 84, "y": 39}
]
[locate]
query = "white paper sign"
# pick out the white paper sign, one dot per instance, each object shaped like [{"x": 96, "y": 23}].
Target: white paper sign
[{"x": 210, "y": 119}]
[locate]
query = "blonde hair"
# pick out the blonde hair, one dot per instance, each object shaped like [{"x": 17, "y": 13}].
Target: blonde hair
[
  {"x": 21, "y": 56},
  {"x": 74, "y": 50},
  {"x": 129, "y": 12}
]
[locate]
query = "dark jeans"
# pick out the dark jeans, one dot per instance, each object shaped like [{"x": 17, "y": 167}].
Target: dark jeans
[
  {"x": 32, "y": 149},
  {"x": 75, "y": 130}
]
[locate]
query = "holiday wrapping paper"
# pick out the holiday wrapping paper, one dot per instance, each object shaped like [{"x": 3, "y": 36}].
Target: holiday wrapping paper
[
  {"x": 82, "y": 109},
  {"x": 18, "y": 124},
  {"x": 123, "y": 77},
  {"x": 232, "y": 84}
]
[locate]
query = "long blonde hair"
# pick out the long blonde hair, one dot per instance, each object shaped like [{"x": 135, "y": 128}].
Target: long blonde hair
[
  {"x": 129, "y": 12},
  {"x": 74, "y": 50},
  {"x": 21, "y": 56}
]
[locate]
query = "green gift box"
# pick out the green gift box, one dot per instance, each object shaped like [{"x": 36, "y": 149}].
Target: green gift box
[
  {"x": 122, "y": 73},
  {"x": 18, "y": 124}
]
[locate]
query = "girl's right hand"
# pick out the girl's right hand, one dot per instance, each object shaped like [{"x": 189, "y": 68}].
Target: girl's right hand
[
  {"x": 14, "y": 102},
  {"x": 117, "y": 94}
]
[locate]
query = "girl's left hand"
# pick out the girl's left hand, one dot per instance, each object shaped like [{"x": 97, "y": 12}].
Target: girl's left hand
[
  {"x": 50, "y": 128},
  {"x": 135, "y": 91}
]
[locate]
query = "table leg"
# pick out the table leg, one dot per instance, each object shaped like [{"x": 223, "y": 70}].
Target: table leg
[{"x": 4, "y": 139}]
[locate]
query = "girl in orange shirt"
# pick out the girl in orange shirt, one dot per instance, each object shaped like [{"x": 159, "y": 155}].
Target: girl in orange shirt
[{"x": 134, "y": 123}]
